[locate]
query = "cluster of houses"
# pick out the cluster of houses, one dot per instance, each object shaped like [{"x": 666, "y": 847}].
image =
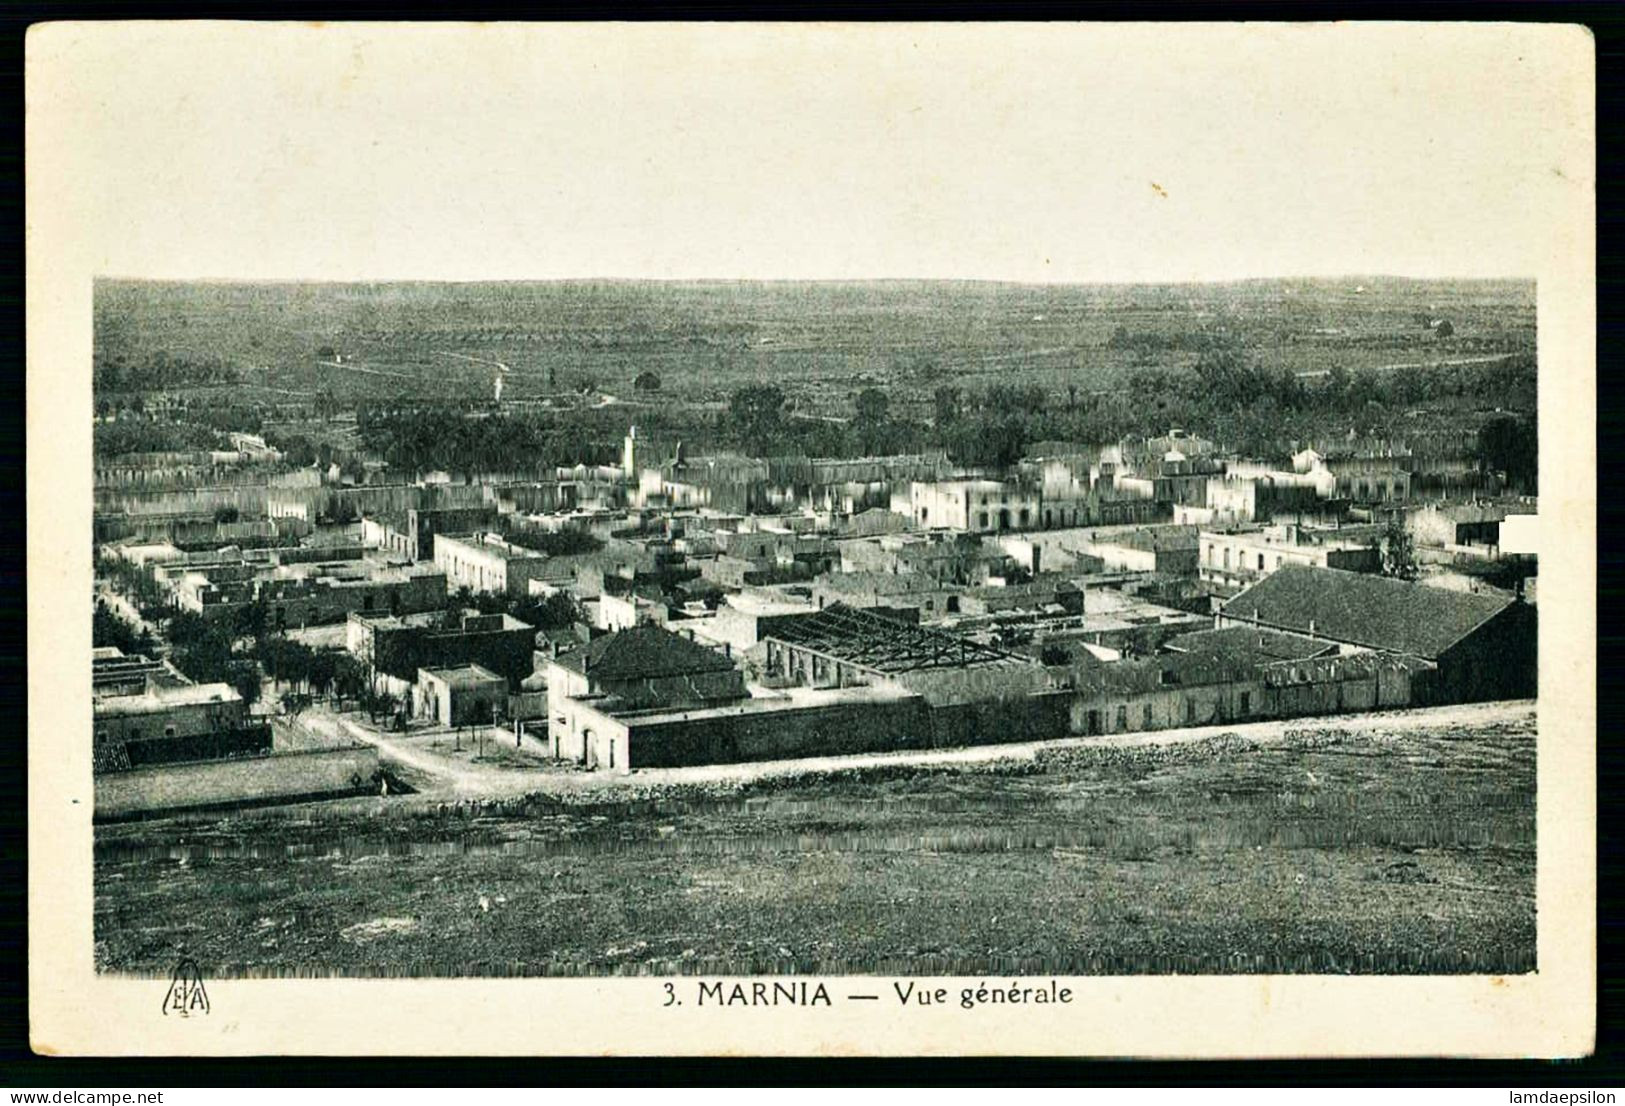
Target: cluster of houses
[{"x": 735, "y": 608}]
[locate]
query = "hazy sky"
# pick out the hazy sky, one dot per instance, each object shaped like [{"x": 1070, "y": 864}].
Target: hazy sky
[{"x": 1025, "y": 153}]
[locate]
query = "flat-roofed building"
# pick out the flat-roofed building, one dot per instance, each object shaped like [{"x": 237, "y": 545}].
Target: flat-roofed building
[
  {"x": 1237, "y": 558},
  {"x": 975, "y": 506},
  {"x": 484, "y": 562},
  {"x": 395, "y": 648},
  {"x": 1171, "y": 550},
  {"x": 467, "y": 695},
  {"x": 168, "y": 722}
]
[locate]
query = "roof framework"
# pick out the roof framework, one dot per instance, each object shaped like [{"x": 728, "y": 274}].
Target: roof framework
[{"x": 885, "y": 645}]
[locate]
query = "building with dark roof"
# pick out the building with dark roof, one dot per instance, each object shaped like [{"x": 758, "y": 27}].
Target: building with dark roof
[
  {"x": 1481, "y": 646},
  {"x": 839, "y": 681},
  {"x": 643, "y": 653},
  {"x": 1252, "y": 643},
  {"x": 638, "y": 669},
  {"x": 396, "y": 647}
]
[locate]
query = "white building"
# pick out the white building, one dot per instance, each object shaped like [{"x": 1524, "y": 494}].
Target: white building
[
  {"x": 485, "y": 562},
  {"x": 974, "y": 506},
  {"x": 1237, "y": 558}
]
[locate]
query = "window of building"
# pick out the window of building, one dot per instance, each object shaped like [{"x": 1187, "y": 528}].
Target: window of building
[
  {"x": 1122, "y": 718},
  {"x": 1246, "y": 703},
  {"x": 981, "y": 519},
  {"x": 1145, "y": 716},
  {"x": 1190, "y": 710},
  {"x": 1261, "y": 562},
  {"x": 169, "y": 731}
]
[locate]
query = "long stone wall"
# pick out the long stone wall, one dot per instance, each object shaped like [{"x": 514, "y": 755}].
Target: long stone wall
[
  {"x": 831, "y": 730},
  {"x": 241, "y": 780}
]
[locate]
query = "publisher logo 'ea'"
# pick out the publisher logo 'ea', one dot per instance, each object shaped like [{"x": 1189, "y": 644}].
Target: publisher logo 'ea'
[{"x": 186, "y": 995}]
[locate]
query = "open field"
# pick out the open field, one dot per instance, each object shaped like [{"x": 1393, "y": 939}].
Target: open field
[
  {"x": 1342, "y": 846},
  {"x": 821, "y": 341}
]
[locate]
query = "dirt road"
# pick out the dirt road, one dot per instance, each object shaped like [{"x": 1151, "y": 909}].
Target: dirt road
[{"x": 462, "y": 779}]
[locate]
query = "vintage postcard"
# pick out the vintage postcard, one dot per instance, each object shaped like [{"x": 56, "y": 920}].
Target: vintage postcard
[{"x": 811, "y": 539}]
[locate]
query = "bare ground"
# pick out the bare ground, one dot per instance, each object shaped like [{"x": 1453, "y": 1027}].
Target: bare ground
[{"x": 1392, "y": 843}]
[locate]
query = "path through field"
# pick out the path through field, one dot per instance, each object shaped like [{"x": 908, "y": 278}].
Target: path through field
[
  {"x": 452, "y": 777},
  {"x": 1308, "y": 847}
]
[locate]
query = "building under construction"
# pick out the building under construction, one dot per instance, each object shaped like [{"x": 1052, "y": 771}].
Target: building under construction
[
  {"x": 842, "y": 646},
  {"x": 976, "y": 693}
]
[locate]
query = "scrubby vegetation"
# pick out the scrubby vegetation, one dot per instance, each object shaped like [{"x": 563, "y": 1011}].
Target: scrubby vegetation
[{"x": 1328, "y": 851}]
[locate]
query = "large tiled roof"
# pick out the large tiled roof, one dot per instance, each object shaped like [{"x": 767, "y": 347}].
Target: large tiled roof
[
  {"x": 1374, "y": 611},
  {"x": 643, "y": 652}
]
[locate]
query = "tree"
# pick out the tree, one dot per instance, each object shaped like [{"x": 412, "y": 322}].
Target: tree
[
  {"x": 295, "y": 702},
  {"x": 1511, "y": 445},
  {"x": 323, "y": 671},
  {"x": 108, "y": 628},
  {"x": 1337, "y": 383},
  {"x": 353, "y": 470},
  {"x": 991, "y": 440},
  {"x": 1053, "y": 656},
  {"x": 376, "y": 703},
  {"x": 350, "y": 677},
  {"x": 557, "y": 612},
  {"x": 201, "y": 649},
  {"x": 758, "y": 414},
  {"x": 249, "y": 621},
  {"x": 244, "y": 678},
  {"x": 1398, "y": 551},
  {"x": 872, "y": 406},
  {"x": 946, "y": 402},
  {"x": 646, "y": 382},
  {"x": 288, "y": 661}
]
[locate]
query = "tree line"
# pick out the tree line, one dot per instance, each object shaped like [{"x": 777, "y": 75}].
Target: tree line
[{"x": 1225, "y": 394}]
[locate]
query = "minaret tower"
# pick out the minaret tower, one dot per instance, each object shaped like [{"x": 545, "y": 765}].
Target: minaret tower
[{"x": 629, "y": 454}]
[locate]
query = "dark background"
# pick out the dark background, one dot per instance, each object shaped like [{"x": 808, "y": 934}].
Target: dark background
[{"x": 19, "y": 1068}]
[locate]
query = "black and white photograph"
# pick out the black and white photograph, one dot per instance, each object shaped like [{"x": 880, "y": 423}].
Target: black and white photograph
[{"x": 785, "y": 513}]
